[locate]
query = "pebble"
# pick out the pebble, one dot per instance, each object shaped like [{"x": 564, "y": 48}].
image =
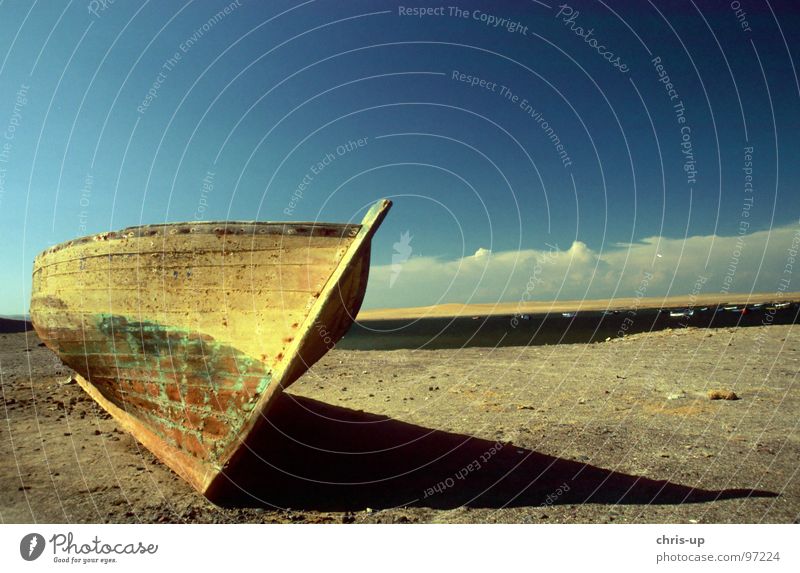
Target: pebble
[{"x": 722, "y": 395}]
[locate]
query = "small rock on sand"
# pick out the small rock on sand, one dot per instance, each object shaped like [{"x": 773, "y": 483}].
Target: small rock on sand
[{"x": 722, "y": 395}]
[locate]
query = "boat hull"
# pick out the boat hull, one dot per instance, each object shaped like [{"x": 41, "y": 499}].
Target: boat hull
[{"x": 186, "y": 333}]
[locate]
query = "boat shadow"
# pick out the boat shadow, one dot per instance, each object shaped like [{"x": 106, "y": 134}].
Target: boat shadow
[{"x": 316, "y": 456}]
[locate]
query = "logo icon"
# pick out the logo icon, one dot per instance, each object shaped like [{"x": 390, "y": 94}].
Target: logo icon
[
  {"x": 31, "y": 546},
  {"x": 402, "y": 253}
]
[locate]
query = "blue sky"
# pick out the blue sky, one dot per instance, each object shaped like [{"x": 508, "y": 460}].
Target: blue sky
[{"x": 126, "y": 113}]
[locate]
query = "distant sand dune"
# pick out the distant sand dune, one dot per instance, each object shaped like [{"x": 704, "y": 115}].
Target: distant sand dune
[{"x": 532, "y": 307}]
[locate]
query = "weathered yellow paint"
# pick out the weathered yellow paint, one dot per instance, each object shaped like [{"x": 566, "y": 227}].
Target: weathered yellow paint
[{"x": 186, "y": 333}]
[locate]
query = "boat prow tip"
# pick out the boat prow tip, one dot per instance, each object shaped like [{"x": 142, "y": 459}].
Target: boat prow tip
[{"x": 375, "y": 215}]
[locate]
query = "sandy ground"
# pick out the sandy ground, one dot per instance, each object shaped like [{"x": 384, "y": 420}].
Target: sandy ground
[
  {"x": 620, "y": 431},
  {"x": 533, "y": 307}
]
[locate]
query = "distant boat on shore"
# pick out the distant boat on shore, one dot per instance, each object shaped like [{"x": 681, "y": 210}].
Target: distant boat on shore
[{"x": 684, "y": 313}]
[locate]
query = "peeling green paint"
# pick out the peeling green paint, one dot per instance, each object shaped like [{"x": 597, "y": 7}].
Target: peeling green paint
[{"x": 195, "y": 362}]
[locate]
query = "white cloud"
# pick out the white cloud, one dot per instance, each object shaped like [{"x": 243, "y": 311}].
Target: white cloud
[{"x": 752, "y": 262}]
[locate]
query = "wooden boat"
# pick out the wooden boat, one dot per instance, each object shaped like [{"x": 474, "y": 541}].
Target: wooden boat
[{"x": 186, "y": 333}]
